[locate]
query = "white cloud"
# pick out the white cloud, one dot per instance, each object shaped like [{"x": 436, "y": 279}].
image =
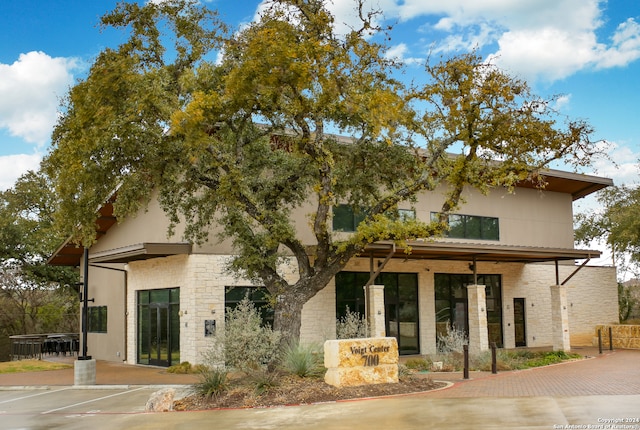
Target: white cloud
[
  {"x": 536, "y": 39},
  {"x": 625, "y": 48},
  {"x": 13, "y": 166},
  {"x": 30, "y": 91},
  {"x": 623, "y": 167}
]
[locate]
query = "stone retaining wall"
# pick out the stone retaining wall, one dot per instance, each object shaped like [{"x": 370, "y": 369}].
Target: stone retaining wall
[{"x": 624, "y": 336}]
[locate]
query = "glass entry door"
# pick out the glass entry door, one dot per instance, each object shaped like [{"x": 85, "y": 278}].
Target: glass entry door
[
  {"x": 400, "y": 300},
  {"x": 159, "y": 327},
  {"x": 159, "y": 334}
]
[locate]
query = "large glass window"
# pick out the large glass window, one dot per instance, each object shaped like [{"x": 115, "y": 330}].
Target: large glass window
[
  {"x": 452, "y": 308},
  {"x": 159, "y": 326},
  {"x": 400, "y": 300},
  {"x": 471, "y": 227},
  {"x": 97, "y": 319},
  {"x": 259, "y": 296}
]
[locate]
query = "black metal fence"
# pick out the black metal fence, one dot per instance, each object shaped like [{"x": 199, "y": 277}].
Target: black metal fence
[{"x": 37, "y": 345}]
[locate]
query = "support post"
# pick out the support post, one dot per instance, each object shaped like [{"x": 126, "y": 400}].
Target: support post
[
  {"x": 85, "y": 305},
  {"x": 600, "y": 341},
  {"x": 560, "y": 318},
  {"x": 465, "y": 349},
  {"x": 84, "y": 368},
  {"x": 375, "y": 305},
  {"x": 494, "y": 361},
  {"x": 610, "y": 338},
  {"x": 478, "y": 328}
]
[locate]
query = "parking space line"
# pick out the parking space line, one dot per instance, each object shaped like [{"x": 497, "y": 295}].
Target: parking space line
[
  {"x": 91, "y": 401},
  {"x": 34, "y": 395}
]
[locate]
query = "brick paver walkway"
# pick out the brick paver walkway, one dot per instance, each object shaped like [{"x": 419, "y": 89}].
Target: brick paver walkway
[{"x": 612, "y": 373}]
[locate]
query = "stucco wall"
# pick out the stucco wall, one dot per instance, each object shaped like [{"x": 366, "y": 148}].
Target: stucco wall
[{"x": 107, "y": 288}]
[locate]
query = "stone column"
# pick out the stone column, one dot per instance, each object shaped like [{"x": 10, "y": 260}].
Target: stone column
[
  {"x": 375, "y": 309},
  {"x": 560, "y": 319},
  {"x": 478, "y": 331}
]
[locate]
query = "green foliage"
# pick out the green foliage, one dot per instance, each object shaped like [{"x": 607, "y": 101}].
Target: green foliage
[
  {"x": 628, "y": 301},
  {"x": 245, "y": 344},
  {"x": 213, "y": 382},
  {"x": 144, "y": 121},
  {"x": 303, "y": 360},
  {"x": 520, "y": 359},
  {"x": 617, "y": 223},
  {"x": 419, "y": 364},
  {"x": 352, "y": 326},
  {"x": 262, "y": 380},
  {"x": 186, "y": 368}
]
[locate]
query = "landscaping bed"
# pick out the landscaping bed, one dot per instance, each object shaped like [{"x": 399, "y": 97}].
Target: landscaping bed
[{"x": 293, "y": 390}]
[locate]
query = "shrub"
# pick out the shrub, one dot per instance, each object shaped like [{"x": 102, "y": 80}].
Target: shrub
[
  {"x": 351, "y": 326},
  {"x": 419, "y": 364},
  {"x": 213, "y": 382},
  {"x": 303, "y": 360},
  {"x": 245, "y": 344},
  {"x": 182, "y": 368},
  {"x": 186, "y": 367},
  {"x": 262, "y": 380},
  {"x": 453, "y": 341}
]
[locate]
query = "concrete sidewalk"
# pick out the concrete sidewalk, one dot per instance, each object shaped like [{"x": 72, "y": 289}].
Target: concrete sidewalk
[{"x": 107, "y": 373}]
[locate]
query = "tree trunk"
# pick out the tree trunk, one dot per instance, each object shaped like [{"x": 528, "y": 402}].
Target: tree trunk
[{"x": 287, "y": 317}]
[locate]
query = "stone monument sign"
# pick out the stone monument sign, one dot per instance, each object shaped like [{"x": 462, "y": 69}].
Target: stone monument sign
[{"x": 352, "y": 362}]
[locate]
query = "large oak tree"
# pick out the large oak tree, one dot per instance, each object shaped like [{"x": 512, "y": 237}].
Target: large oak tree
[
  {"x": 34, "y": 296},
  {"x": 244, "y": 141}
]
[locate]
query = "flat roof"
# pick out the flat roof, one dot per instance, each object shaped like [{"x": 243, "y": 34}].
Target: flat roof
[
  {"x": 140, "y": 251},
  {"x": 435, "y": 250}
]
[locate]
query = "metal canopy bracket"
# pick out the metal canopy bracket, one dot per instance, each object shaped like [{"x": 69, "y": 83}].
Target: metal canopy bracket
[
  {"x": 375, "y": 274},
  {"x": 575, "y": 271}
]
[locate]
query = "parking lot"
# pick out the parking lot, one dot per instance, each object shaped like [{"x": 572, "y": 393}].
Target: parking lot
[{"x": 70, "y": 407}]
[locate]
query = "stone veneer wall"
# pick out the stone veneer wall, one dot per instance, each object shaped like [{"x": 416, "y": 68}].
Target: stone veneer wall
[
  {"x": 202, "y": 280},
  {"x": 624, "y": 336},
  {"x": 591, "y": 293}
]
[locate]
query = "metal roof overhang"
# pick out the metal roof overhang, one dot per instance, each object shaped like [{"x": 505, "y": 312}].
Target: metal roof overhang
[
  {"x": 576, "y": 184},
  {"x": 140, "y": 251},
  {"x": 476, "y": 252}
]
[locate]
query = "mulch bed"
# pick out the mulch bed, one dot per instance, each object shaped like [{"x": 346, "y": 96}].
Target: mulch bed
[{"x": 298, "y": 391}]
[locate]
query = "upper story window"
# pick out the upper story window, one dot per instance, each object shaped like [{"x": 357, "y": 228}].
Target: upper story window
[
  {"x": 345, "y": 218},
  {"x": 471, "y": 227}
]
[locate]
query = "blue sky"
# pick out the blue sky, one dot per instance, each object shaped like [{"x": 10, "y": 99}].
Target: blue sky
[{"x": 586, "y": 50}]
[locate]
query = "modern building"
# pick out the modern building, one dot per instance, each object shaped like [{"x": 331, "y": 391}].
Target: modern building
[{"x": 507, "y": 273}]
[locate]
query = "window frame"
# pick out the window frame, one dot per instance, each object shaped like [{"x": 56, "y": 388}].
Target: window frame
[
  {"x": 97, "y": 319},
  {"x": 489, "y": 227}
]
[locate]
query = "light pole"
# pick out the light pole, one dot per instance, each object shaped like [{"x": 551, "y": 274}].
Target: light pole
[
  {"x": 85, "y": 305},
  {"x": 84, "y": 368}
]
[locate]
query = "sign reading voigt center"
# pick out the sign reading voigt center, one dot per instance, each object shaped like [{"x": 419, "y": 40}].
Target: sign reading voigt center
[{"x": 352, "y": 362}]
